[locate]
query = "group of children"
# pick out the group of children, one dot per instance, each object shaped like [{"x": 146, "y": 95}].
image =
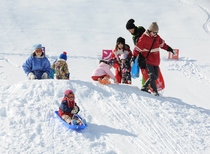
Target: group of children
[
  {"x": 120, "y": 61},
  {"x": 37, "y": 66}
]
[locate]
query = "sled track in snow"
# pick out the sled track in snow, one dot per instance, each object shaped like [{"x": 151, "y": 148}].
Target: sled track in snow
[
  {"x": 190, "y": 70},
  {"x": 206, "y": 25},
  {"x": 146, "y": 121}
]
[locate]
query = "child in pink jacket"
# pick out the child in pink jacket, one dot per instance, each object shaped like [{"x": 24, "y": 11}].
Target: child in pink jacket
[{"x": 102, "y": 73}]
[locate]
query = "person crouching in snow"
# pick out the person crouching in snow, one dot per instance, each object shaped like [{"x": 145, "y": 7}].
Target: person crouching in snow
[
  {"x": 60, "y": 67},
  {"x": 102, "y": 73},
  {"x": 125, "y": 68},
  {"x": 68, "y": 108},
  {"x": 37, "y": 66}
]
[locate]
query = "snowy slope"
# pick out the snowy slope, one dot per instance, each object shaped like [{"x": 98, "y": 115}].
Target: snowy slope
[{"x": 121, "y": 119}]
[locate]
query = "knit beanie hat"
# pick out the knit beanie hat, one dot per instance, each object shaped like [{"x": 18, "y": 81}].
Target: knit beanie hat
[
  {"x": 63, "y": 56},
  {"x": 153, "y": 27},
  {"x": 120, "y": 40},
  {"x": 37, "y": 46},
  {"x": 130, "y": 24}
]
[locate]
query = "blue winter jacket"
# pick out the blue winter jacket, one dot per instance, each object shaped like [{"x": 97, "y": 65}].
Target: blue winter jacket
[{"x": 37, "y": 66}]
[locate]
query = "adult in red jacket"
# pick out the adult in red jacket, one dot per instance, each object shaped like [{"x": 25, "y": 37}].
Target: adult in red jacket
[
  {"x": 68, "y": 107},
  {"x": 153, "y": 60},
  {"x": 120, "y": 48}
]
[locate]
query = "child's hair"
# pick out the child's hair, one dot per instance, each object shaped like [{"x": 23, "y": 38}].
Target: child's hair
[
  {"x": 34, "y": 54},
  {"x": 102, "y": 60},
  {"x": 120, "y": 40},
  {"x": 109, "y": 62}
]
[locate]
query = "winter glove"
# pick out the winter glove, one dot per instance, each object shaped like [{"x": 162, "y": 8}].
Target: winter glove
[
  {"x": 44, "y": 75},
  {"x": 132, "y": 61},
  {"x": 75, "y": 110},
  {"x": 170, "y": 50},
  {"x": 67, "y": 75},
  {"x": 31, "y": 76}
]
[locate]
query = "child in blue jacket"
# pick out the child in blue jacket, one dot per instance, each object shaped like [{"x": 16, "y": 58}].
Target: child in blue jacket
[{"x": 37, "y": 66}]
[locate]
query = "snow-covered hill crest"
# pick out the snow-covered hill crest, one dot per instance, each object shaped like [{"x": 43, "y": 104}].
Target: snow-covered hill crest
[{"x": 137, "y": 119}]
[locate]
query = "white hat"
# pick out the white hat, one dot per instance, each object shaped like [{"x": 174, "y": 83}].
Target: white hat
[{"x": 123, "y": 56}]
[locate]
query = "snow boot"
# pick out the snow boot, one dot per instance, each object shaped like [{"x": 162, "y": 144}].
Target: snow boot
[
  {"x": 73, "y": 122},
  {"x": 84, "y": 121},
  {"x": 156, "y": 94},
  {"x": 145, "y": 89},
  {"x": 105, "y": 80}
]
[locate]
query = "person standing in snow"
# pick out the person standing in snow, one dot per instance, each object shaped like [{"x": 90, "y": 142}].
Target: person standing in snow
[
  {"x": 68, "y": 108},
  {"x": 120, "y": 48},
  {"x": 60, "y": 67},
  {"x": 37, "y": 66},
  {"x": 136, "y": 33},
  {"x": 102, "y": 73},
  {"x": 125, "y": 69},
  {"x": 151, "y": 39}
]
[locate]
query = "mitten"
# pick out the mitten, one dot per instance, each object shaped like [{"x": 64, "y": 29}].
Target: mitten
[
  {"x": 44, "y": 75},
  {"x": 31, "y": 76},
  {"x": 67, "y": 75},
  {"x": 132, "y": 60},
  {"x": 170, "y": 50},
  {"x": 75, "y": 110}
]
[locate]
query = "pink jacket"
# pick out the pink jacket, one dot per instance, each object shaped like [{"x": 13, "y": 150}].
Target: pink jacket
[{"x": 103, "y": 69}]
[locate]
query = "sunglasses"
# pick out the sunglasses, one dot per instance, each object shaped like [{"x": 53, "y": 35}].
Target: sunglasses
[
  {"x": 70, "y": 95},
  {"x": 152, "y": 32}
]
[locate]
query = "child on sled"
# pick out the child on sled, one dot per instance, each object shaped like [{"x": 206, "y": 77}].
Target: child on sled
[
  {"x": 68, "y": 108},
  {"x": 102, "y": 73}
]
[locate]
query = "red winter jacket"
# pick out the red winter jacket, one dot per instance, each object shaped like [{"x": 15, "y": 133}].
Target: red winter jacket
[
  {"x": 144, "y": 44},
  {"x": 66, "y": 107}
]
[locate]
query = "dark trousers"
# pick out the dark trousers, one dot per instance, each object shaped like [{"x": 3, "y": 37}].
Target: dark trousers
[{"x": 153, "y": 75}]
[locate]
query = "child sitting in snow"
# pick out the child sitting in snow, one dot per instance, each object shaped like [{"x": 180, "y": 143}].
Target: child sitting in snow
[
  {"x": 37, "y": 66},
  {"x": 68, "y": 108},
  {"x": 102, "y": 73},
  {"x": 60, "y": 67},
  {"x": 125, "y": 69}
]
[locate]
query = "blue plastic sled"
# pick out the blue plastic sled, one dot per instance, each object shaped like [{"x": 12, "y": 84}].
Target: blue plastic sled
[
  {"x": 135, "y": 69},
  {"x": 73, "y": 127}
]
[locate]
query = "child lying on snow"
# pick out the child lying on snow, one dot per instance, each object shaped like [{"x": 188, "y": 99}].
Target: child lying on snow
[
  {"x": 68, "y": 108},
  {"x": 102, "y": 73}
]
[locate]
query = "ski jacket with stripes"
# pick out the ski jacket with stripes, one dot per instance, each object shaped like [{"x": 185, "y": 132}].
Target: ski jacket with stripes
[{"x": 144, "y": 44}]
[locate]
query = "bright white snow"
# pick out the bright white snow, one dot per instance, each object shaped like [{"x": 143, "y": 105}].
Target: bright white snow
[{"x": 121, "y": 118}]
